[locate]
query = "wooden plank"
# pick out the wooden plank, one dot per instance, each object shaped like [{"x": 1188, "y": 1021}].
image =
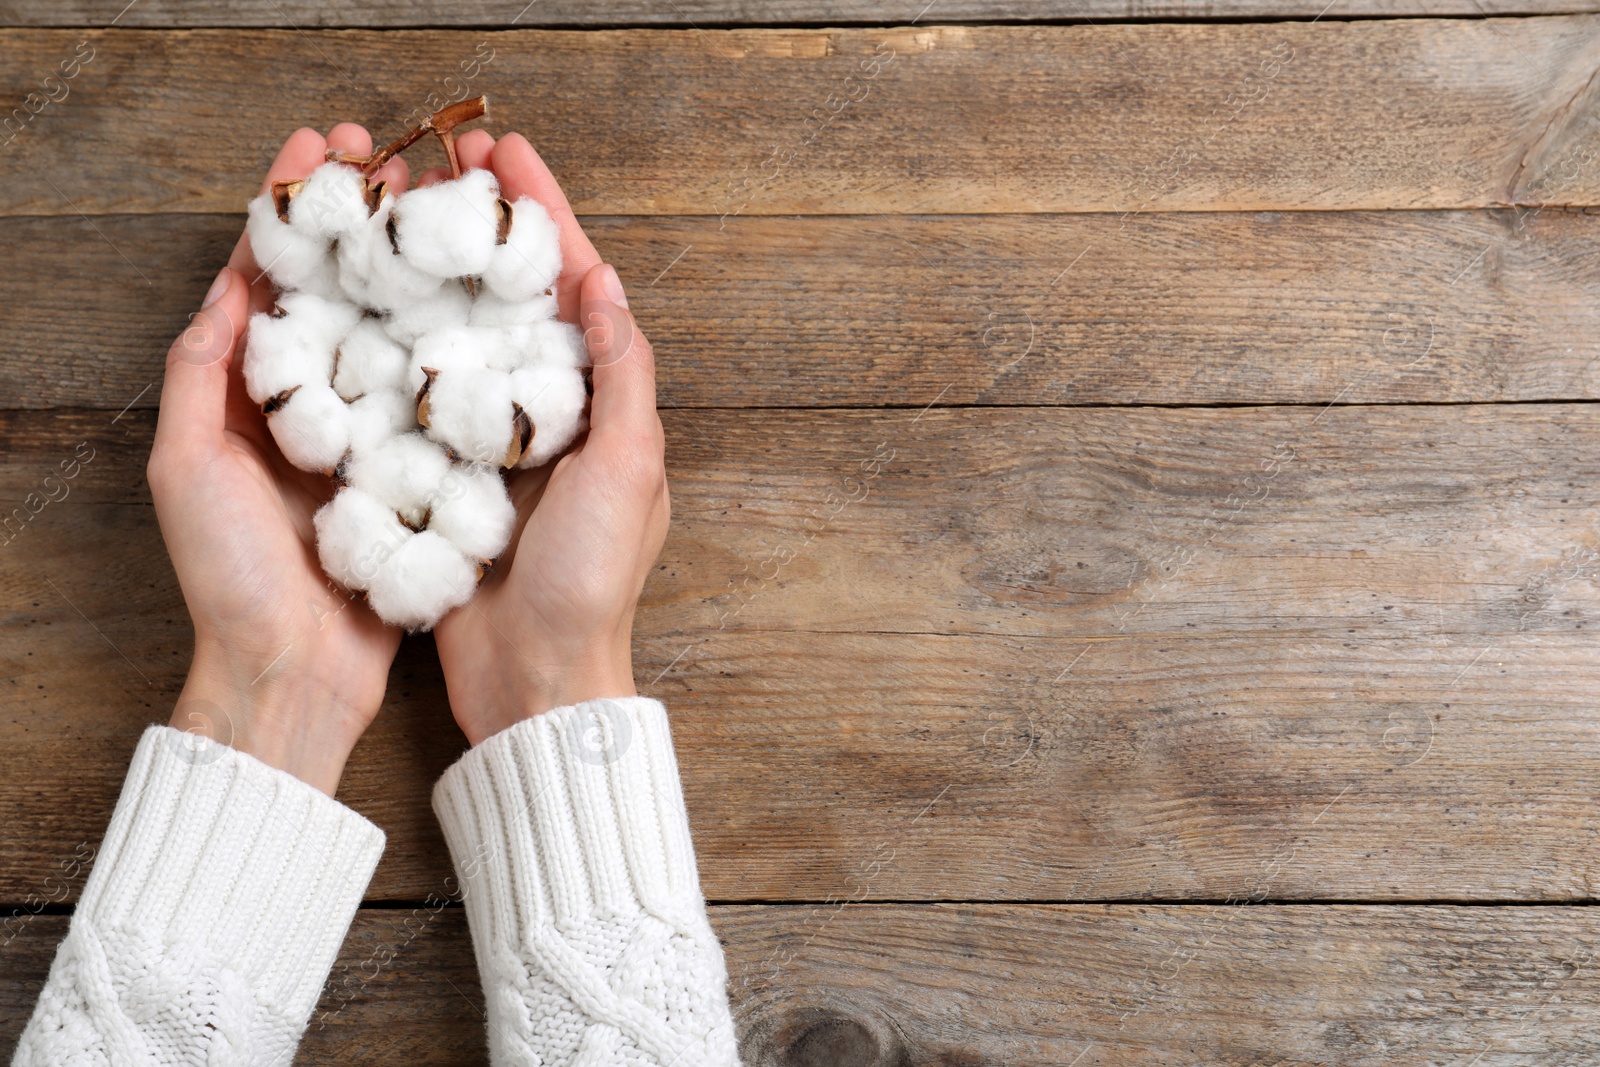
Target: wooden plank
[
  {"x": 1025, "y": 986},
  {"x": 1302, "y": 307},
  {"x": 1080, "y": 654},
  {"x": 948, "y": 119},
  {"x": 170, "y": 14}
]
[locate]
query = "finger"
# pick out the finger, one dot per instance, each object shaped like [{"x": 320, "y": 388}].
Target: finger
[
  {"x": 433, "y": 176},
  {"x": 521, "y": 172},
  {"x": 396, "y": 172},
  {"x": 194, "y": 393},
  {"x": 349, "y": 137},
  {"x": 474, "y": 149},
  {"x": 624, "y": 375}
]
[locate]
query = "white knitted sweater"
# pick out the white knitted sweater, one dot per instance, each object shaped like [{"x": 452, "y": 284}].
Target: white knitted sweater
[{"x": 224, "y": 888}]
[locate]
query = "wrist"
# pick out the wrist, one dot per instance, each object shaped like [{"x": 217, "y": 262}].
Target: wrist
[
  {"x": 285, "y": 714},
  {"x": 503, "y": 690}
]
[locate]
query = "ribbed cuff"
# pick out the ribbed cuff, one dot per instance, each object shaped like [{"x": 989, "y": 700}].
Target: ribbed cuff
[
  {"x": 574, "y": 814},
  {"x": 212, "y": 849}
]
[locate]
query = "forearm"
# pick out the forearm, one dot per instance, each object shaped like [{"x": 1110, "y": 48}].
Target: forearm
[
  {"x": 570, "y": 837},
  {"x": 213, "y": 914}
]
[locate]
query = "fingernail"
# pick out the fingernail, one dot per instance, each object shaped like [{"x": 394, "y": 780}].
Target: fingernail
[
  {"x": 613, "y": 286},
  {"x": 218, "y": 287}
]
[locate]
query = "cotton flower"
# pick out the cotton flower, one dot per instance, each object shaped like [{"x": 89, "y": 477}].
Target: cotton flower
[
  {"x": 357, "y": 533},
  {"x": 294, "y": 346},
  {"x": 415, "y": 353},
  {"x": 372, "y": 272},
  {"x": 449, "y": 229},
  {"x": 368, "y": 360},
  {"x": 422, "y": 581},
  {"x": 291, "y": 259},
  {"x": 468, "y": 410},
  {"x": 553, "y": 397},
  {"x": 530, "y": 259},
  {"x": 474, "y": 512},
  {"x": 312, "y": 428},
  {"x": 408, "y": 322},
  {"x": 332, "y": 203},
  {"x": 404, "y": 472}
]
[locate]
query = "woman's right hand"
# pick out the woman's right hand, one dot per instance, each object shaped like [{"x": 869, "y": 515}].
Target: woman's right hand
[{"x": 552, "y": 623}]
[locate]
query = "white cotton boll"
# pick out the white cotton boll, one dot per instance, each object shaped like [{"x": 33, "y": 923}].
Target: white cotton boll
[
  {"x": 356, "y": 534},
  {"x": 295, "y": 347},
  {"x": 416, "y": 586},
  {"x": 552, "y": 343},
  {"x": 528, "y": 263},
  {"x": 331, "y": 203},
  {"x": 290, "y": 258},
  {"x": 474, "y": 512},
  {"x": 312, "y": 428},
  {"x": 491, "y": 310},
  {"x": 463, "y": 347},
  {"x": 449, "y": 229},
  {"x": 368, "y": 360},
  {"x": 404, "y": 472},
  {"x": 373, "y": 274},
  {"x": 469, "y": 411},
  {"x": 554, "y": 398},
  {"x": 379, "y": 416},
  {"x": 450, "y": 306}
]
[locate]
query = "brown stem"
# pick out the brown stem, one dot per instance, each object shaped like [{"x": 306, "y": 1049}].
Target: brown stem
[{"x": 441, "y": 123}]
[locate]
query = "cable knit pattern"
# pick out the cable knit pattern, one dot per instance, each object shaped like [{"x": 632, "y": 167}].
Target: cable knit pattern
[
  {"x": 570, "y": 837},
  {"x": 212, "y": 916}
]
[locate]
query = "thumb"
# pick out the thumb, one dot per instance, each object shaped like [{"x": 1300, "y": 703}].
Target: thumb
[
  {"x": 624, "y": 374},
  {"x": 195, "y": 390}
]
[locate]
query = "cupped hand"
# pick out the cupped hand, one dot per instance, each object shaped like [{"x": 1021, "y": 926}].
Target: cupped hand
[
  {"x": 287, "y": 667},
  {"x": 552, "y": 622}
]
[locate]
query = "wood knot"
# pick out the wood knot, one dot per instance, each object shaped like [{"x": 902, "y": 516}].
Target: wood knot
[{"x": 832, "y": 1040}]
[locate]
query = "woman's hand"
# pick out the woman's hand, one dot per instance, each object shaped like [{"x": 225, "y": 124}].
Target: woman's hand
[
  {"x": 552, "y": 623},
  {"x": 286, "y": 666}
]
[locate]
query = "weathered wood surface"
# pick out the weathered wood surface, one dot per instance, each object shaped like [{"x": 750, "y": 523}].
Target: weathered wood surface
[
  {"x": 501, "y": 14},
  {"x": 1301, "y": 307},
  {"x": 1071, "y": 654},
  {"x": 1024, "y": 986},
  {"x": 954, "y": 119}
]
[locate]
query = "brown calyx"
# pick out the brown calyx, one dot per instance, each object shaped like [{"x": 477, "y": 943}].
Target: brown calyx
[{"x": 521, "y": 435}]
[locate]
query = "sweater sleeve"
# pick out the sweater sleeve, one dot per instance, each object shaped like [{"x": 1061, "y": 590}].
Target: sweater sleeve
[
  {"x": 571, "y": 841},
  {"x": 213, "y": 914}
]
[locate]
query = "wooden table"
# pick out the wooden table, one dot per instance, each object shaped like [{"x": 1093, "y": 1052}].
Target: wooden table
[{"x": 1134, "y": 567}]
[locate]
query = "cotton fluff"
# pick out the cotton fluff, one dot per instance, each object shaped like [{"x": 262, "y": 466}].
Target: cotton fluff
[
  {"x": 373, "y": 273},
  {"x": 413, "y": 307},
  {"x": 449, "y": 229},
  {"x": 312, "y": 427},
  {"x": 332, "y": 203},
  {"x": 414, "y": 319},
  {"x": 404, "y": 472},
  {"x": 529, "y": 261},
  {"x": 294, "y": 344},
  {"x": 553, "y": 397},
  {"x": 356, "y": 533},
  {"x": 422, "y": 581},
  {"x": 474, "y": 512},
  {"x": 292, "y": 260},
  {"x": 368, "y": 360},
  {"x": 469, "y": 412}
]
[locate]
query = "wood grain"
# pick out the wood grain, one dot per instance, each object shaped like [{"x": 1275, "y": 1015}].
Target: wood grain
[
  {"x": 171, "y": 14},
  {"x": 1446, "y": 113},
  {"x": 1025, "y": 986},
  {"x": 1301, "y": 307},
  {"x": 1035, "y": 654}
]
